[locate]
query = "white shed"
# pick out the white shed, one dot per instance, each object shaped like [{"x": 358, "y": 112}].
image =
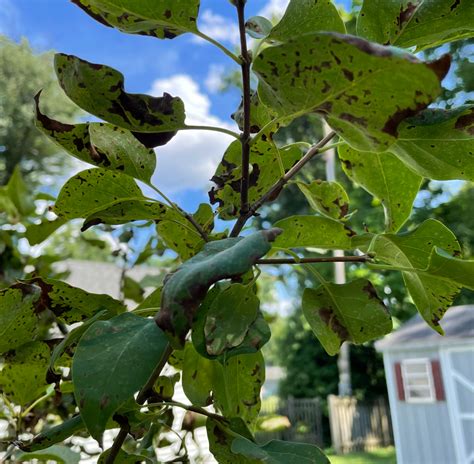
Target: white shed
[{"x": 430, "y": 381}]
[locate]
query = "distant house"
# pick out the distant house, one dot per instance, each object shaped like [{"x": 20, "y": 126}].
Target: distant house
[{"x": 430, "y": 380}]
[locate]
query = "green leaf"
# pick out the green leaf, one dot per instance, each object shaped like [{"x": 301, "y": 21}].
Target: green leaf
[
  {"x": 315, "y": 232},
  {"x": 124, "y": 458},
  {"x": 113, "y": 360},
  {"x": 237, "y": 385},
  {"x": 38, "y": 233},
  {"x": 103, "y": 145},
  {"x": 54, "y": 435},
  {"x": 185, "y": 289},
  {"x": 23, "y": 374},
  {"x": 439, "y": 144},
  {"x": 229, "y": 318},
  {"x": 432, "y": 295},
  {"x": 303, "y": 16},
  {"x": 19, "y": 193},
  {"x": 198, "y": 377},
  {"x": 328, "y": 198},
  {"x": 385, "y": 177},
  {"x": 18, "y": 320},
  {"x": 268, "y": 164},
  {"x": 419, "y": 23},
  {"x": 123, "y": 212},
  {"x": 93, "y": 190},
  {"x": 444, "y": 265},
  {"x": 57, "y": 453},
  {"x": 151, "y": 302},
  {"x": 157, "y": 18},
  {"x": 345, "y": 312},
  {"x": 258, "y": 27},
  {"x": 260, "y": 116},
  {"x": 165, "y": 386},
  {"x": 99, "y": 90},
  {"x": 279, "y": 452},
  {"x": 339, "y": 75},
  {"x": 132, "y": 290}
]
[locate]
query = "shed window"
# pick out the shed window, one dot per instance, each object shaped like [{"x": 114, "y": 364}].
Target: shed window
[{"x": 418, "y": 380}]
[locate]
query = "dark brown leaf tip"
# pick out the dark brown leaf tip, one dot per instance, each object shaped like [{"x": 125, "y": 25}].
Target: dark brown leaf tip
[
  {"x": 440, "y": 66},
  {"x": 272, "y": 234}
]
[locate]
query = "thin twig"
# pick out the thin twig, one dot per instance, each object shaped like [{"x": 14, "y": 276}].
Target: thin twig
[
  {"x": 326, "y": 259},
  {"x": 245, "y": 136},
  {"x": 189, "y": 407},
  {"x": 117, "y": 445},
  {"x": 275, "y": 190}
]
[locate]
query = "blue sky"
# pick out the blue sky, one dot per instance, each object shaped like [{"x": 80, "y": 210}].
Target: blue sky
[{"x": 185, "y": 67}]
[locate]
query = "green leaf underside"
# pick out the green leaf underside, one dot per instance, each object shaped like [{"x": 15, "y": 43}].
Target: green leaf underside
[
  {"x": 126, "y": 211},
  {"x": 99, "y": 90},
  {"x": 156, "y": 18},
  {"x": 185, "y": 289},
  {"x": 23, "y": 373},
  {"x": 265, "y": 171},
  {"x": 328, "y": 198},
  {"x": 258, "y": 27},
  {"x": 442, "y": 264},
  {"x": 432, "y": 295},
  {"x": 439, "y": 144},
  {"x": 229, "y": 318},
  {"x": 113, "y": 360},
  {"x": 94, "y": 190},
  {"x": 339, "y": 76},
  {"x": 38, "y": 233},
  {"x": 345, "y": 312},
  {"x": 260, "y": 116},
  {"x": 315, "y": 232},
  {"x": 385, "y": 177},
  {"x": 416, "y": 23},
  {"x": 57, "y": 453},
  {"x": 279, "y": 452},
  {"x": 303, "y": 16}
]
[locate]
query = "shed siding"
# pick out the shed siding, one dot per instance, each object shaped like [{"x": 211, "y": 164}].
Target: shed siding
[{"x": 422, "y": 430}]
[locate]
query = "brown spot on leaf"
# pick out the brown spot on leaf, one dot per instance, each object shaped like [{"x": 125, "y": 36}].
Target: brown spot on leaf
[
  {"x": 440, "y": 66},
  {"x": 466, "y": 122}
]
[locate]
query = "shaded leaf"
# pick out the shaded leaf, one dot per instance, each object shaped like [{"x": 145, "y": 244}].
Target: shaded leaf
[
  {"x": 38, "y": 233},
  {"x": 185, "y": 289},
  {"x": 439, "y": 144},
  {"x": 315, "y": 232},
  {"x": 385, "y": 177},
  {"x": 444, "y": 265},
  {"x": 337, "y": 75},
  {"x": 258, "y": 27},
  {"x": 93, "y": 190},
  {"x": 19, "y": 194},
  {"x": 99, "y": 90},
  {"x": 23, "y": 374},
  {"x": 58, "y": 453},
  {"x": 132, "y": 290},
  {"x": 161, "y": 19},
  {"x": 303, "y": 16},
  {"x": 124, "y": 458},
  {"x": 268, "y": 163},
  {"x": 345, "y": 312},
  {"x": 279, "y": 452},
  {"x": 113, "y": 360},
  {"x": 416, "y": 23},
  {"x": 432, "y": 295},
  {"x": 260, "y": 116},
  {"x": 328, "y": 198}
]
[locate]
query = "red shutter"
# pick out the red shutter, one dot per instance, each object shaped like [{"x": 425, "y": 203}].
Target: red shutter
[
  {"x": 437, "y": 380},
  {"x": 398, "y": 376}
]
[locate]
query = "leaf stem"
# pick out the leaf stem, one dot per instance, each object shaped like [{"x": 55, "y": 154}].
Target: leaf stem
[
  {"x": 218, "y": 45},
  {"x": 117, "y": 445},
  {"x": 213, "y": 129},
  {"x": 187, "y": 407},
  {"x": 245, "y": 136},
  {"x": 326, "y": 259},
  {"x": 275, "y": 190}
]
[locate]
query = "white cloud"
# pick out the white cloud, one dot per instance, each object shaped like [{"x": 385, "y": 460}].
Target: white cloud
[
  {"x": 274, "y": 9},
  {"x": 218, "y": 27},
  {"x": 190, "y": 159},
  {"x": 215, "y": 78}
]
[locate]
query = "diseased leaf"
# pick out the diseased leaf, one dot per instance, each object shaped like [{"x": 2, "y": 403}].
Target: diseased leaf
[
  {"x": 338, "y": 76},
  {"x": 23, "y": 372},
  {"x": 258, "y": 27},
  {"x": 328, "y": 198},
  {"x": 18, "y": 320},
  {"x": 385, "y": 177},
  {"x": 345, "y": 312},
  {"x": 113, "y": 360},
  {"x": 157, "y": 18},
  {"x": 303, "y": 16},
  {"x": 185, "y": 289},
  {"x": 268, "y": 163},
  {"x": 94, "y": 190},
  {"x": 315, "y": 232},
  {"x": 432, "y": 295},
  {"x": 416, "y": 23},
  {"x": 58, "y": 453},
  {"x": 260, "y": 116},
  {"x": 103, "y": 145},
  {"x": 123, "y": 212},
  {"x": 279, "y": 452},
  {"x": 444, "y": 265},
  {"x": 99, "y": 90},
  {"x": 439, "y": 144}
]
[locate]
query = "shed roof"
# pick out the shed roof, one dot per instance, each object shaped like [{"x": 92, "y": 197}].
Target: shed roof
[{"x": 458, "y": 325}]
